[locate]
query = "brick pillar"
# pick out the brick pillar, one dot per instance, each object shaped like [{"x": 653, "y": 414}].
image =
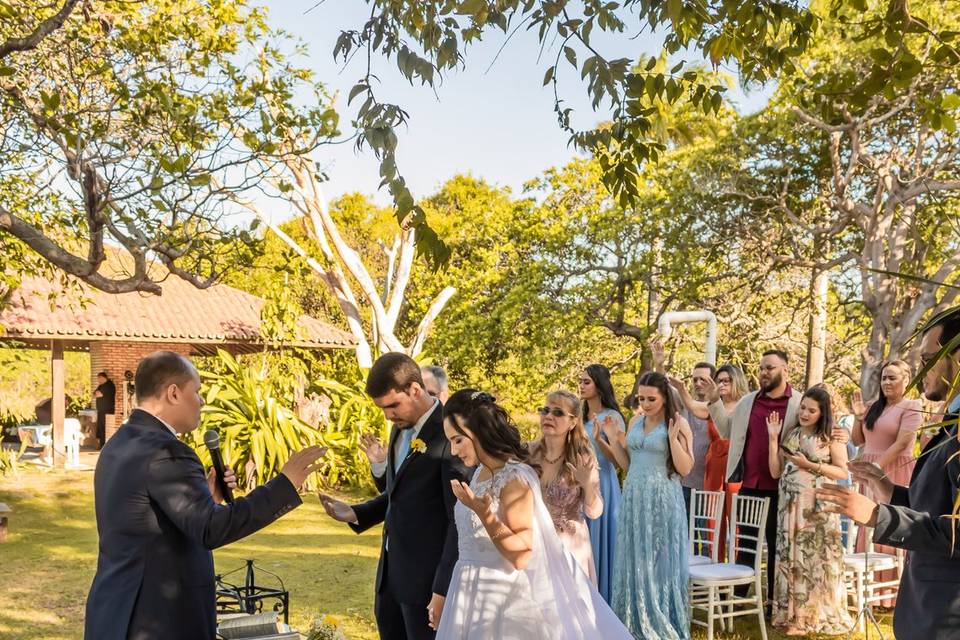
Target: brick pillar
[{"x": 117, "y": 357}]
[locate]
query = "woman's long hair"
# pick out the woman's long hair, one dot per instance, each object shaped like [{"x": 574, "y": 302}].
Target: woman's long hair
[
  {"x": 608, "y": 399},
  {"x": 494, "y": 432},
  {"x": 738, "y": 381},
  {"x": 873, "y": 413},
  {"x": 577, "y": 445},
  {"x": 821, "y": 395},
  {"x": 659, "y": 382}
]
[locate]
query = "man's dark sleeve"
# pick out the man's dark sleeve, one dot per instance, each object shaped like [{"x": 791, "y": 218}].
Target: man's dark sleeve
[
  {"x": 370, "y": 513},
  {"x": 178, "y": 485}
]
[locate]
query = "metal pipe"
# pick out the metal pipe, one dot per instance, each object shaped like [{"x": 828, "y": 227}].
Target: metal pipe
[{"x": 679, "y": 317}]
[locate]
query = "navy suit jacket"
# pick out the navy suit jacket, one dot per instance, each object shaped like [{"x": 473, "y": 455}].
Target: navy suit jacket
[
  {"x": 928, "y": 603},
  {"x": 157, "y": 523},
  {"x": 416, "y": 507}
]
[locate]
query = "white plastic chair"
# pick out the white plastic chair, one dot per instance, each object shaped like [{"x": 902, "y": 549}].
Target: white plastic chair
[
  {"x": 706, "y": 513},
  {"x": 860, "y": 571},
  {"x": 712, "y": 585},
  {"x": 72, "y": 435}
]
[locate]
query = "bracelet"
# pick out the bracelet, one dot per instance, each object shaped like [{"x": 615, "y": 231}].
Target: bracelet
[
  {"x": 820, "y": 469},
  {"x": 502, "y": 531}
]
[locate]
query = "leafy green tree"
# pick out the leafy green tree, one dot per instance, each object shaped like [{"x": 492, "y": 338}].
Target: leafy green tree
[
  {"x": 133, "y": 124},
  {"x": 763, "y": 41}
]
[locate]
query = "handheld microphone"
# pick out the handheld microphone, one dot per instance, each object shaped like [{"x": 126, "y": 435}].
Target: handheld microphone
[{"x": 212, "y": 439}]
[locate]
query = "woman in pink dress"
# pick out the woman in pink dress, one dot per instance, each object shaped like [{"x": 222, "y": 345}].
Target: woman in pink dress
[
  {"x": 569, "y": 475},
  {"x": 887, "y": 431}
]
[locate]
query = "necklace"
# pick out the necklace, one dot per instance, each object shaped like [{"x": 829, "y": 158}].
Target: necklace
[{"x": 554, "y": 461}]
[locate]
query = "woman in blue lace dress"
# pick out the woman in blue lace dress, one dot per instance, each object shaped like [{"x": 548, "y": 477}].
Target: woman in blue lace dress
[
  {"x": 599, "y": 407},
  {"x": 650, "y": 573}
]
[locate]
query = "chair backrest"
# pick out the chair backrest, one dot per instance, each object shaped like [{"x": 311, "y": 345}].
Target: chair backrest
[
  {"x": 706, "y": 512},
  {"x": 748, "y": 522},
  {"x": 848, "y": 533},
  {"x": 71, "y": 430}
]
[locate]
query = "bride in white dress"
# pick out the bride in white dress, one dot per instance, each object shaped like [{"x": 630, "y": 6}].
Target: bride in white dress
[{"x": 513, "y": 579}]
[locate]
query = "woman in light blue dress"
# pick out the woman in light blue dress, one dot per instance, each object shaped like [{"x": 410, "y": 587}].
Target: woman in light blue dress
[
  {"x": 650, "y": 571},
  {"x": 600, "y": 408}
]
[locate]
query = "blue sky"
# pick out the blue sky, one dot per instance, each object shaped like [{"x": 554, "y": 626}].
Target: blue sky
[{"x": 495, "y": 122}]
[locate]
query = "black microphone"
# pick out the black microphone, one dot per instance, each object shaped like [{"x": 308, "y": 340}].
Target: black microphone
[{"x": 212, "y": 439}]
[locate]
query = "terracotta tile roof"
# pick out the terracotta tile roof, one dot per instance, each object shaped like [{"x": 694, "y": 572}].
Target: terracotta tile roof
[{"x": 219, "y": 314}]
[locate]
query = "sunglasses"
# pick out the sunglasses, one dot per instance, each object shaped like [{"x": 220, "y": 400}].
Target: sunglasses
[{"x": 556, "y": 412}]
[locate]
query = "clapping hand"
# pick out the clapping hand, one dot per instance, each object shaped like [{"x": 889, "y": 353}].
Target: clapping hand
[
  {"x": 657, "y": 353},
  {"x": 711, "y": 389},
  {"x": 676, "y": 425},
  {"x": 858, "y": 406},
  {"x": 609, "y": 428},
  {"x": 374, "y": 449},
  {"x": 480, "y": 505},
  {"x": 774, "y": 426},
  {"x": 584, "y": 472}
]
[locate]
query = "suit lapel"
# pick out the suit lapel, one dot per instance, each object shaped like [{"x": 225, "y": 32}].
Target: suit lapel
[{"x": 427, "y": 433}]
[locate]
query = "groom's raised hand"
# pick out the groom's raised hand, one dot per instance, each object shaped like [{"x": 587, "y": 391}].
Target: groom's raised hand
[{"x": 337, "y": 509}]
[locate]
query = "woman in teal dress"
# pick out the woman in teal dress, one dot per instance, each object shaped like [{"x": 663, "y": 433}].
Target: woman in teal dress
[
  {"x": 650, "y": 572},
  {"x": 599, "y": 407}
]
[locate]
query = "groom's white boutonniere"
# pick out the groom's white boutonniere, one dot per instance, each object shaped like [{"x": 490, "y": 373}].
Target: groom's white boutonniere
[{"x": 418, "y": 445}]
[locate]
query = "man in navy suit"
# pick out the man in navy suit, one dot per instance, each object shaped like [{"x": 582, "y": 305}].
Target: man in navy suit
[
  {"x": 159, "y": 515},
  {"x": 419, "y": 546},
  {"x": 918, "y": 518}
]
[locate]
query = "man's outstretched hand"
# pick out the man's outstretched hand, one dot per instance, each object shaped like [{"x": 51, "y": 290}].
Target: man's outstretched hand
[{"x": 302, "y": 463}]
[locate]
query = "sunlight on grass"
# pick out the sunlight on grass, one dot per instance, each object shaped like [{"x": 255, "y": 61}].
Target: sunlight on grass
[{"x": 50, "y": 557}]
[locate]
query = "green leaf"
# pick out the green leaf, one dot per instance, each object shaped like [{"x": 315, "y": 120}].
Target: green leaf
[{"x": 571, "y": 56}]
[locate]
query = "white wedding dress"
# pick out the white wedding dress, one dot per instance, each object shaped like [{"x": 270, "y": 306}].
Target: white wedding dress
[{"x": 551, "y": 599}]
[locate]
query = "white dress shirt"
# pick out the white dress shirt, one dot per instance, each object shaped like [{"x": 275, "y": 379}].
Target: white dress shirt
[{"x": 380, "y": 468}]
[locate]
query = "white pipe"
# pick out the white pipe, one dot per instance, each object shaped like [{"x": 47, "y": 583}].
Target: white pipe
[{"x": 679, "y": 317}]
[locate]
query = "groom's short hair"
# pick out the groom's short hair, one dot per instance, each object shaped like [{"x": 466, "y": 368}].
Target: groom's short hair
[{"x": 392, "y": 372}]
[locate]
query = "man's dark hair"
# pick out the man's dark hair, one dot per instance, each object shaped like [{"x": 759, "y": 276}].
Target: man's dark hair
[
  {"x": 103, "y": 374},
  {"x": 777, "y": 352},
  {"x": 950, "y": 321},
  {"x": 159, "y": 370},
  {"x": 706, "y": 365},
  {"x": 392, "y": 372}
]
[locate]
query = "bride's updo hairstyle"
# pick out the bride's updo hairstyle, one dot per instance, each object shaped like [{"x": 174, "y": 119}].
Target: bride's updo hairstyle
[{"x": 493, "y": 430}]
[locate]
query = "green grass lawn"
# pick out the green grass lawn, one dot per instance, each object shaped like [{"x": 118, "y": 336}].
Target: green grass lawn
[{"x": 49, "y": 558}]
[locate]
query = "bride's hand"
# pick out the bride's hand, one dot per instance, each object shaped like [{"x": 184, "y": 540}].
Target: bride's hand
[{"x": 480, "y": 505}]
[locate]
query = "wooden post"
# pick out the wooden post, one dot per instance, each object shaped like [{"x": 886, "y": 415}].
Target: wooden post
[{"x": 58, "y": 405}]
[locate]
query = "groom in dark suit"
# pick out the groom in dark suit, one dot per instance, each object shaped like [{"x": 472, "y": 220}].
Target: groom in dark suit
[
  {"x": 419, "y": 547},
  {"x": 918, "y": 518},
  {"x": 159, "y": 516}
]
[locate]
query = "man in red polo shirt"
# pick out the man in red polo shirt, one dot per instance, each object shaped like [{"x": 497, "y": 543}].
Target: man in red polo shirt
[{"x": 746, "y": 427}]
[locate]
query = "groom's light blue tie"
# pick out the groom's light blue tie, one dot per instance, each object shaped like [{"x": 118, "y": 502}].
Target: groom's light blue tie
[{"x": 403, "y": 448}]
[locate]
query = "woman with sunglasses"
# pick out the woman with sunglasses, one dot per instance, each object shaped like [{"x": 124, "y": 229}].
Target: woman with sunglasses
[
  {"x": 569, "y": 475},
  {"x": 600, "y": 409}
]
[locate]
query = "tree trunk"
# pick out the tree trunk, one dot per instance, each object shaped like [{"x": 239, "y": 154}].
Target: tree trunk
[{"x": 817, "y": 332}]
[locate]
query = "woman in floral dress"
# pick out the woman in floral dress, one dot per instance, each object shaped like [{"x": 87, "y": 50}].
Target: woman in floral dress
[{"x": 809, "y": 593}]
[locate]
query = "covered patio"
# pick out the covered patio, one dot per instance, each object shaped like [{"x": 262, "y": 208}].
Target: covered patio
[{"x": 119, "y": 329}]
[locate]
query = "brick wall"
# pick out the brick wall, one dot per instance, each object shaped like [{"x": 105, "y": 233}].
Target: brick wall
[{"x": 117, "y": 357}]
